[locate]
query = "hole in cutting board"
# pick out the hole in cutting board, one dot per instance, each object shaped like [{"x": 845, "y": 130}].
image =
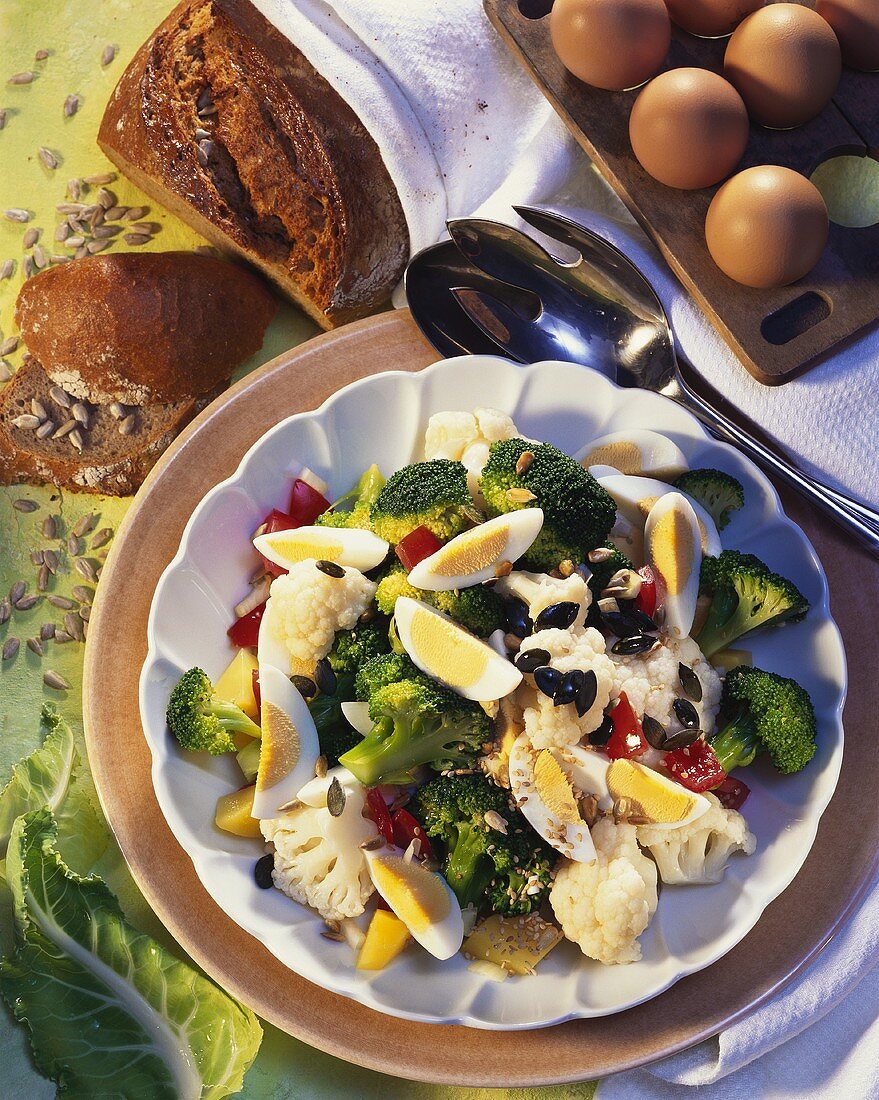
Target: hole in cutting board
[
  {"x": 850, "y": 187},
  {"x": 535, "y": 9},
  {"x": 795, "y": 318}
]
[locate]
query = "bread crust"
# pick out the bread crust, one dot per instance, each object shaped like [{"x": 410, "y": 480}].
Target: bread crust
[
  {"x": 143, "y": 327},
  {"x": 289, "y": 178}
]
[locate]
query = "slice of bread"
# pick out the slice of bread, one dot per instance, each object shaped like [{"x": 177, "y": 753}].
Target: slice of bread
[{"x": 109, "y": 462}]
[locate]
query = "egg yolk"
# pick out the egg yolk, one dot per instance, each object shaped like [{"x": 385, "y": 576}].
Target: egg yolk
[
  {"x": 459, "y": 659},
  {"x": 659, "y": 800},
  {"x": 416, "y": 895},
  {"x": 622, "y": 455},
  {"x": 470, "y": 552},
  {"x": 294, "y": 549},
  {"x": 279, "y": 752},
  {"x": 554, "y": 789},
  {"x": 672, "y": 550}
]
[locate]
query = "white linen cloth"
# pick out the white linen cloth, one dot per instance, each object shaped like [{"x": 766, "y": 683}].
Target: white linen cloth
[{"x": 462, "y": 130}]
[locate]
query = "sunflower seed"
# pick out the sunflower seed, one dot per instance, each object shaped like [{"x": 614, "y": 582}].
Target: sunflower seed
[
  {"x": 62, "y": 232},
  {"x": 85, "y": 524},
  {"x": 6, "y": 269},
  {"x": 55, "y": 680},
  {"x": 65, "y": 429},
  {"x": 5, "y": 610},
  {"x": 36, "y": 557},
  {"x": 10, "y": 648},
  {"x": 85, "y": 613},
  {"x": 106, "y": 198},
  {"x": 117, "y": 410},
  {"x": 47, "y": 631},
  {"x": 201, "y": 133},
  {"x": 101, "y": 180},
  {"x": 5, "y": 371},
  {"x": 494, "y": 821},
  {"x": 35, "y": 646},
  {"x": 38, "y": 408},
  {"x": 2, "y": 117},
  {"x": 71, "y": 105},
  {"x": 135, "y": 213},
  {"x": 28, "y": 267},
  {"x": 293, "y": 804},
  {"x": 17, "y": 591},
  {"x": 625, "y": 584},
  {"x": 25, "y": 77},
  {"x": 76, "y": 440},
  {"x": 73, "y": 625},
  {"x": 114, "y": 214},
  {"x": 320, "y": 767},
  {"x": 106, "y": 232},
  {"x": 51, "y": 560},
  {"x": 107, "y": 55},
  {"x": 81, "y": 253},
  {"x": 101, "y": 538},
  {"x": 74, "y": 546},
  {"x": 25, "y": 505},
  {"x": 17, "y": 214},
  {"x": 43, "y": 578},
  {"x": 136, "y": 239},
  {"x": 40, "y": 257},
  {"x": 75, "y": 242},
  {"x": 524, "y": 461},
  {"x": 518, "y": 495},
  {"x": 204, "y": 150},
  {"x": 94, "y": 247},
  {"x": 9, "y": 345},
  {"x": 30, "y": 237},
  {"x": 82, "y": 593},
  {"x": 85, "y": 569},
  {"x": 48, "y": 158},
  {"x": 373, "y": 843},
  {"x": 26, "y": 603},
  {"x": 336, "y": 937},
  {"x": 62, "y": 637},
  {"x": 128, "y": 425},
  {"x": 62, "y": 601},
  {"x": 60, "y": 397},
  {"x": 336, "y": 798},
  {"x": 80, "y": 413}
]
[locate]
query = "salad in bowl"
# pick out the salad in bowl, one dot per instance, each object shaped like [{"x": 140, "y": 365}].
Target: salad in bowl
[{"x": 499, "y": 697}]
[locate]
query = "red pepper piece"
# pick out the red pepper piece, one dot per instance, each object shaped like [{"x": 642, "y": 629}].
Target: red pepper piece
[
  {"x": 416, "y": 546},
  {"x": 627, "y": 739},
  {"x": 732, "y": 793},
  {"x": 696, "y": 767},
  {"x": 306, "y": 503},
  {"x": 407, "y": 829},
  {"x": 257, "y": 694},
  {"x": 244, "y": 632},
  {"x": 380, "y": 813},
  {"x": 646, "y": 599}
]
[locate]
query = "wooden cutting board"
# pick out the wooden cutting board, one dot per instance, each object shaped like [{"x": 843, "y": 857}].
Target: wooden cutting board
[{"x": 777, "y": 334}]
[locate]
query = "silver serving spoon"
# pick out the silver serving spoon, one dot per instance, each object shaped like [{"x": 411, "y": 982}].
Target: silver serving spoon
[{"x": 599, "y": 311}]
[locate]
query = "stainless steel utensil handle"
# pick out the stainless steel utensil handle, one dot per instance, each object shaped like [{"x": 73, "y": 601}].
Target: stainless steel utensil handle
[{"x": 863, "y": 523}]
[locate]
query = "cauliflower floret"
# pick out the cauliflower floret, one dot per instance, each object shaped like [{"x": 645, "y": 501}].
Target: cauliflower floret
[
  {"x": 604, "y": 906},
  {"x": 309, "y": 606},
  {"x": 700, "y": 851},
  {"x": 539, "y": 590},
  {"x": 547, "y": 725},
  {"x": 651, "y": 682},
  {"x": 466, "y": 437},
  {"x": 318, "y": 858}
]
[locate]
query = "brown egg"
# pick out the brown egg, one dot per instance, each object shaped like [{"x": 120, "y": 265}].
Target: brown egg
[
  {"x": 612, "y": 44},
  {"x": 711, "y": 18},
  {"x": 689, "y": 128},
  {"x": 856, "y": 23},
  {"x": 767, "y": 226},
  {"x": 785, "y": 62}
]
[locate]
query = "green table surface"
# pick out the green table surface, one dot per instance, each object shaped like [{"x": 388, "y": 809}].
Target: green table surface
[{"x": 75, "y": 33}]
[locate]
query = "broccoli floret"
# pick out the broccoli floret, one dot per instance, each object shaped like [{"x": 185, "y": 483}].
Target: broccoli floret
[
  {"x": 353, "y": 648},
  {"x": 378, "y": 672},
  {"x": 600, "y": 574},
  {"x": 417, "y": 722},
  {"x": 763, "y": 711},
  {"x": 719, "y": 494},
  {"x": 201, "y": 720},
  {"x": 335, "y": 733},
  {"x": 477, "y": 608},
  {"x": 426, "y": 494},
  {"x": 485, "y": 868},
  {"x": 352, "y": 509},
  {"x": 745, "y": 594},
  {"x": 578, "y": 512}
]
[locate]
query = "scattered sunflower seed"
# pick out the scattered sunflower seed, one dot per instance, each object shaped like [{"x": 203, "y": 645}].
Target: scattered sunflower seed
[
  {"x": 2, "y": 117},
  {"x": 336, "y": 937},
  {"x": 117, "y": 410},
  {"x": 55, "y": 680},
  {"x": 5, "y": 371},
  {"x": 115, "y": 213},
  {"x": 100, "y": 180},
  {"x": 106, "y": 198},
  {"x": 373, "y": 843},
  {"x": 47, "y": 631},
  {"x": 6, "y": 269},
  {"x": 82, "y": 593},
  {"x": 40, "y": 257},
  {"x": 335, "y": 798},
  {"x": 35, "y": 646},
  {"x": 28, "y": 267},
  {"x": 135, "y": 239},
  {"x": 62, "y": 601},
  {"x": 94, "y": 247},
  {"x": 17, "y": 591},
  {"x": 85, "y": 569},
  {"x": 17, "y": 214},
  {"x": 107, "y": 55},
  {"x": 25, "y": 77},
  {"x": 85, "y": 524},
  {"x": 5, "y": 610},
  {"x": 106, "y": 232},
  {"x": 127, "y": 425},
  {"x": 134, "y": 214},
  {"x": 60, "y": 397},
  {"x": 70, "y": 209},
  {"x": 81, "y": 254},
  {"x": 293, "y": 804},
  {"x": 62, "y": 637},
  {"x": 101, "y": 538},
  {"x": 320, "y": 767},
  {"x": 25, "y": 505},
  {"x": 204, "y": 150},
  {"x": 26, "y": 603},
  {"x": 518, "y": 495},
  {"x": 51, "y": 560},
  {"x": 48, "y": 158},
  {"x": 73, "y": 625},
  {"x": 75, "y": 241},
  {"x": 74, "y": 546},
  {"x": 43, "y": 578},
  {"x": 36, "y": 557},
  {"x": 10, "y": 648},
  {"x": 9, "y": 345},
  {"x": 41, "y": 55},
  {"x": 71, "y": 105},
  {"x": 30, "y": 238},
  {"x": 38, "y": 408},
  {"x": 85, "y": 613}
]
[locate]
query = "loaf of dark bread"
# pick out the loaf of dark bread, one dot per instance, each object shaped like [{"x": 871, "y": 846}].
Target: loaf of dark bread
[
  {"x": 141, "y": 327},
  {"x": 223, "y": 121},
  {"x": 113, "y": 453}
]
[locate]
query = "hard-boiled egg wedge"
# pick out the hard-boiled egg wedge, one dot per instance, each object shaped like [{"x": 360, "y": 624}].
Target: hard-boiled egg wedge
[
  {"x": 450, "y": 654},
  {"x": 422, "y": 899},
  {"x": 344, "y": 545},
  {"x": 666, "y": 803},
  {"x": 543, "y": 792},
  {"x": 637, "y": 451},
  {"x": 472, "y": 557},
  {"x": 314, "y": 792},
  {"x": 289, "y": 747},
  {"x": 270, "y": 646},
  {"x": 671, "y": 546},
  {"x": 635, "y": 496},
  {"x": 357, "y": 715}
]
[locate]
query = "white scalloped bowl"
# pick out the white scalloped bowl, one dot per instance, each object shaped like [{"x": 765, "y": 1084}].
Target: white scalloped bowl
[{"x": 381, "y": 419}]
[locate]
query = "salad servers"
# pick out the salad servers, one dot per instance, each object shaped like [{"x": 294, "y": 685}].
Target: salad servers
[{"x": 514, "y": 298}]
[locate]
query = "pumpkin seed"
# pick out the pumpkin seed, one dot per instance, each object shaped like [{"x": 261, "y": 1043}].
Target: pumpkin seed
[
  {"x": 682, "y": 739},
  {"x": 654, "y": 731},
  {"x": 686, "y": 713},
  {"x": 325, "y": 677},
  {"x": 586, "y": 692},
  {"x": 262, "y": 872},
  {"x": 335, "y": 798},
  {"x": 690, "y": 682},
  {"x": 629, "y": 647},
  {"x": 547, "y": 680},
  {"x": 330, "y": 568},
  {"x": 305, "y": 686},
  {"x": 531, "y": 659}
]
